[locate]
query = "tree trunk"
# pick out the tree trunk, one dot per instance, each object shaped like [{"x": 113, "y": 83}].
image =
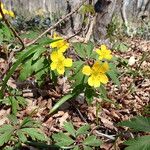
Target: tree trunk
[{"x": 131, "y": 12}]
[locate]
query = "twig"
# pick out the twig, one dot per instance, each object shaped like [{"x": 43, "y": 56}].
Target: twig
[
  {"x": 111, "y": 137},
  {"x": 57, "y": 23},
  {"x": 11, "y": 28},
  {"x": 80, "y": 114},
  {"x": 90, "y": 31},
  {"x": 67, "y": 39}
]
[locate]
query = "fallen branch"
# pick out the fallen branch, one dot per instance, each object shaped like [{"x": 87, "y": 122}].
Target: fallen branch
[{"x": 56, "y": 24}]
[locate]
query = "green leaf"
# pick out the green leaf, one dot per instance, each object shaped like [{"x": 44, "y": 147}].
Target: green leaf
[
  {"x": 21, "y": 101},
  {"x": 19, "y": 61},
  {"x": 87, "y": 8},
  {"x": 26, "y": 70},
  {"x": 38, "y": 52},
  {"x": 80, "y": 50},
  {"x": 141, "y": 143},
  {"x": 113, "y": 75},
  {"x": 103, "y": 91},
  {"x": 68, "y": 126},
  {"x": 62, "y": 140},
  {"x": 21, "y": 136},
  {"x": 138, "y": 123},
  {"x": 61, "y": 101},
  {"x": 89, "y": 94},
  {"x": 27, "y": 122},
  {"x": 87, "y": 148},
  {"x": 5, "y": 128},
  {"x": 92, "y": 141},
  {"x": 6, "y": 132},
  {"x": 14, "y": 105},
  {"x": 120, "y": 47},
  {"x": 83, "y": 130},
  {"x": 34, "y": 133},
  {"x": 13, "y": 119},
  {"x": 76, "y": 148},
  {"x": 89, "y": 49}
]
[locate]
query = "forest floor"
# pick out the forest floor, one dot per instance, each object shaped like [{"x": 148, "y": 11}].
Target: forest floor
[{"x": 132, "y": 98}]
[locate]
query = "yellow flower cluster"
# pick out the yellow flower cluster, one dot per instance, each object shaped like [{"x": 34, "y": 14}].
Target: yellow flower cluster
[
  {"x": 6, "y": 12},
  {"x": 59, "y": 62},
  {"x": 97, "y": 73}
]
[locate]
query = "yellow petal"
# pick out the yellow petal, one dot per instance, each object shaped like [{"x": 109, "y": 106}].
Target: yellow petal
[
  {"x": 92, "y": 81},
  {"x": 103, "y": 78},
  {"x": 68, "y": 62},
  {"x": 103, "y": 47},
  {"x": 63, "y": 48},
  {"x": 100, "y": 57},
  {"x": 11, "y": 13},
  {"x": 108, "y": 57},
  {"x": 104, "y": 67},
  {"x": 96, "y": 66},
  {"x": 86, "y": 70},
  {"x": 60, "y": 70},
  {"x": 98, "y": 51},
  {"x": 53, "y": 66},
  {"x": 2, "y": 5},
  {"x": 55, "y": 44},
  {"x": 54, "y": 56},
  {"x": 5, "y": 11}
]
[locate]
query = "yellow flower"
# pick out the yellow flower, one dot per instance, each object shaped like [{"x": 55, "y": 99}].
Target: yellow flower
[
  {"x": 104, "y": 53},
  {"x": 59, "y": 62},
  {"x": 61, "y": 45},
  {"x": 11, "y": 13},
  {"x": 96, "y": 73},
  {"x": 6, "y": 12}
]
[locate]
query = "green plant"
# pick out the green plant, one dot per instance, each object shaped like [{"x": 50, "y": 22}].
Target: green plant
[
  {"x": 16, "y": 133},
  {"x": 138, "y": 124},
  {"x": 80, "y": 83},
  {"x": 76, "y": 139}
]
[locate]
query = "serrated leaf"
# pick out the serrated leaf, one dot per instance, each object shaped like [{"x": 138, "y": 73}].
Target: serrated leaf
[
  {"x": 89, "y": 49},
  {"x": 138, "y": 123},
  {"x": 14, "y": 105},
  {"x": 5, "y": 128},
  {"x": 79, "y": 48},
  {"x": 83, "y": 130},
  {"x": 114, "y": 77},
  {"x": 21, "y": 136},
  {"x": 141, "y": 143},
  {"x": 13, "y": 119},
  {"x": 28, "y": 122},
  {"x": 62, "y": 140},
  {"x": 26, "y": 71},
  {"x": 92, "y": 141},
  {"x": 21, "y": 101},
  {"x": 38, "y": 52},
  {"x": 6, "y": 134},
  {"x": 68, "y": 126},
  {"x": 34, "y": 133},
  {"x": 76, "y": 148},
  {"x": 87, "y": 148}
]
